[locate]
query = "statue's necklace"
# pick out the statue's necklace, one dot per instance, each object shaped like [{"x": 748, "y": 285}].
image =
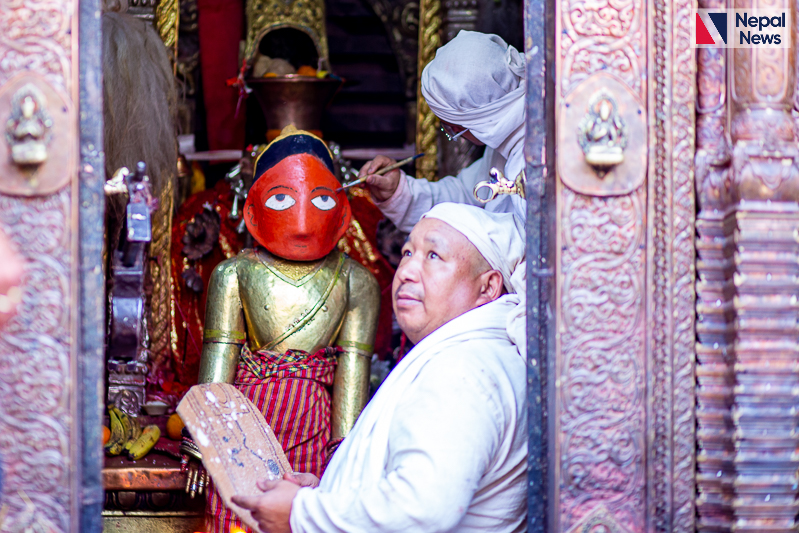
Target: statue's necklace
[{"x": 295, "y": 271}]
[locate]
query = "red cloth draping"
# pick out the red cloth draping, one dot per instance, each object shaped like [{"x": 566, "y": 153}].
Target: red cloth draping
[
  {"x": 292, "y": 390},
  {"x": 221, "y": 24}
]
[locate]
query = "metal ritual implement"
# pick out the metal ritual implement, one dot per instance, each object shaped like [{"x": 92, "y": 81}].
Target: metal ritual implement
[
  {"x": 382, "y": 171},
  {"x": 498, "y": 185},
  {"x": 237, "y": 444}
]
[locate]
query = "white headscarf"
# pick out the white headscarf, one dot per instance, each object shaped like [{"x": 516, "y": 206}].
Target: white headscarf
[
  {"x": 477, "y": 81},
  {"x": 499, "y": 237}
]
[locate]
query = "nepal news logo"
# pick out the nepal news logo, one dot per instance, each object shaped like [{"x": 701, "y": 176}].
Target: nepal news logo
[{"x": 742, "y": 28}]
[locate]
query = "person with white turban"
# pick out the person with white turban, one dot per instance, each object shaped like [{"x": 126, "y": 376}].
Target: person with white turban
[
  {"x": 475, "y": 86},
  {"x": 442, "y": 446}
]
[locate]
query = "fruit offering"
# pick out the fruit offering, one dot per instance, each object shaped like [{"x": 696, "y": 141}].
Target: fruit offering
[
  {"x": 305, "y": 70},
  {"x": 144, "y": 443},
  {"x": 174, "y": 426},
  {"x": 127, "y": 435}
]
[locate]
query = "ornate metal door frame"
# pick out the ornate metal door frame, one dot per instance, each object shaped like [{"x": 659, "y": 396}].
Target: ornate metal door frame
[
  {"x": 51, "y": 353},
  {"x": 611, "y": 272},
  {"x": 539, "y": 29},
  {"x": 747, "y": 171},
  {"x": 91, "y": 300}
]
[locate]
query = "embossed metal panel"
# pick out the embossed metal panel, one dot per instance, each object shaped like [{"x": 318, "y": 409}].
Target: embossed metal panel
[
  {"x": 41, "y": 438},
  {"x": 38, "y": 141},
  {"x": 602, "y": 138},
  {"x": 748, "y": 254},
  {"x": 622, "y": 439}
]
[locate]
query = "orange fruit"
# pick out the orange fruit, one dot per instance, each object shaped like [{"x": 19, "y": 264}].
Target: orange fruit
[
  {"x": 270, "y": 75},
  {"x": 305, "y": 70},
  {"x": 106, "y": 434},
  {"x": 173, "y": 427}
]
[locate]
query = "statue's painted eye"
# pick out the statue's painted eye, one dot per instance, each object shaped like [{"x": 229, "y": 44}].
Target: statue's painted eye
[
  {"x": 324, "y": 202},
  {"x": 280, "y": 202}
]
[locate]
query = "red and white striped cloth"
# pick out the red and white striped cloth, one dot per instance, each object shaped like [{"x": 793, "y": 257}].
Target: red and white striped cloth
[{"x": 293, "y": 391}]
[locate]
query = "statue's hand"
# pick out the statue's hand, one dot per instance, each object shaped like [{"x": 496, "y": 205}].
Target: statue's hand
[
  {"x": 381, "y": 187},
  {"x": 191, "y": 461}
]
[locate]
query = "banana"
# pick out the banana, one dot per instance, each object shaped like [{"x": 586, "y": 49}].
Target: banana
[
  {"x": 144, "y": 443},
  {"x": 126, "y": 425},
  {"x": 117, "y": 441},
  {"x": 135, "y": 433}
]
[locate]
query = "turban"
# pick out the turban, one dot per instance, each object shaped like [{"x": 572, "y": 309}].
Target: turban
[
  {"x": 477, "y": 81},
  {"x": 499, "y": 237}
]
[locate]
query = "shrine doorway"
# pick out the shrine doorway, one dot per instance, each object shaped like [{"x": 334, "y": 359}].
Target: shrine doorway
[
  {"x": 661, "y": 243},
  {"x": 611, "y": 266},
  {"x": 661, "y": 272}
]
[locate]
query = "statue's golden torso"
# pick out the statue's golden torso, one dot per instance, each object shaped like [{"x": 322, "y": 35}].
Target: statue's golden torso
[
  {"x": 280, "y": 305},
  {"x": 296, "y": 306}
]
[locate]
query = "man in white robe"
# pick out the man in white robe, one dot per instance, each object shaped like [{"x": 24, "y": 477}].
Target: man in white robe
[
  {"x": 443, "y": 444},
  {"x": 475, "y": 86}
]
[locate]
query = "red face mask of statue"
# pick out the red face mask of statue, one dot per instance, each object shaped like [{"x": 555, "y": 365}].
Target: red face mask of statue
[{"x": 293, "y": 209}]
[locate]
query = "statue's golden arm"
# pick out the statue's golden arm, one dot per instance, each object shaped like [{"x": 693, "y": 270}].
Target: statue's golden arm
[
  {"x": 356, "y": 338},
  {"x": 224, "y": 332}
]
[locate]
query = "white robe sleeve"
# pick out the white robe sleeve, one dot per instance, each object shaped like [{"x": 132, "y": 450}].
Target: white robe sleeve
[
  {"x": 443, "y": 437},
  {"x": 415, "y": 197}
]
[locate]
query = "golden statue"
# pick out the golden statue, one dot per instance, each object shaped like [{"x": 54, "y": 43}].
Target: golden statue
[{"x": 291, "y": 318}]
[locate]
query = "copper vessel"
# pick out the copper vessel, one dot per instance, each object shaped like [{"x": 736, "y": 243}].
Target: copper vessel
[{"x": 292, "y": 99}]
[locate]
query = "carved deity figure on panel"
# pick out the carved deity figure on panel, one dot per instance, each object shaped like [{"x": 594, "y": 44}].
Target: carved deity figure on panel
[
  {"x": 27, "y": 130},
  {"x": 293, "y": 317},
  {"x": 601, "y": 132}
]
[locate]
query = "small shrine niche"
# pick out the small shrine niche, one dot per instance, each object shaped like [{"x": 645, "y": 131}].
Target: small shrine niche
[
  {"x": 287, "y": 51},
  {"x": 287, "y": 66}
]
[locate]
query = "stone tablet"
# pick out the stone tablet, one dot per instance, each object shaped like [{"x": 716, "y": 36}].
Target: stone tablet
[{"x": 237, "y": 444}]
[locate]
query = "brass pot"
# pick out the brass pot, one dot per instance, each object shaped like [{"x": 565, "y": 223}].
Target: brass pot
[{"x": 292, "y": 99}]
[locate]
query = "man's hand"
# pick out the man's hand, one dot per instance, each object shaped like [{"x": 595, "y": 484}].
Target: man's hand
[
  {"x": 273, "y": 508},
  {"x": 381, "y": 187},
  {"x": 302, "y": 479}
]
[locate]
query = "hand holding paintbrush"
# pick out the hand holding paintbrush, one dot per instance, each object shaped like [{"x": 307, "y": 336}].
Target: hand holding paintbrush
[{"x": 382, "y": 171}]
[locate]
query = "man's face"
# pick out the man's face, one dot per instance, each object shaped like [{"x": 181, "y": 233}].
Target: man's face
[
  {"x": 455, "y": 129},
  {"x": 440, "y": 277},
  {"x": 293, "y": 209}
]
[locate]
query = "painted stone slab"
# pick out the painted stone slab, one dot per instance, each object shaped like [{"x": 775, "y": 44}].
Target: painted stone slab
[{"x": 237, "y": 444}]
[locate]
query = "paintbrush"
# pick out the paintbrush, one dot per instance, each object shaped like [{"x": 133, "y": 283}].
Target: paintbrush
[{"x": 382, "y": 171}]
